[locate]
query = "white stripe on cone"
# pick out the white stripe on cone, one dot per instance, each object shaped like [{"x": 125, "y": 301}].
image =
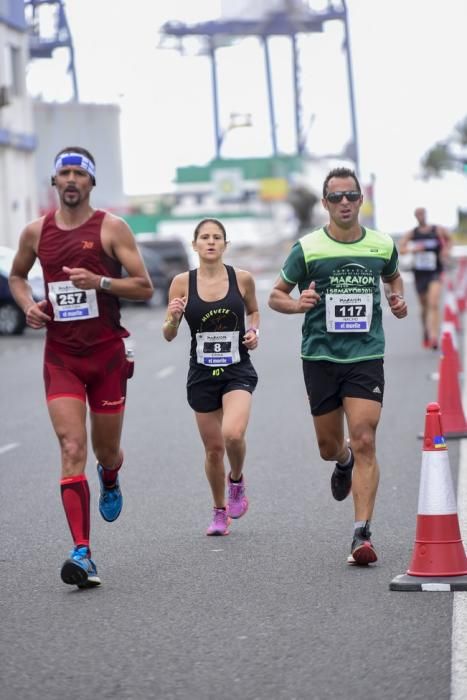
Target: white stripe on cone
[
  {"x": 436, "y": 495},
  {"x": 450, "y": 327}
]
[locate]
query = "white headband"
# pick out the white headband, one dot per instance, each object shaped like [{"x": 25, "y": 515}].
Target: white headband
[{"x": 71, "y": 158}]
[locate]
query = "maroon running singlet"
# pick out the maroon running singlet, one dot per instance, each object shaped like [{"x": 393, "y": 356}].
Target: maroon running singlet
[{"x": 82, "y": 318}]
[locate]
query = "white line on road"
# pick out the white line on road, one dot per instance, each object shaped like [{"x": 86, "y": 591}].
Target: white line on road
[
  {"x": 459, "y": 610},
  {"x": 7, "y": 448},
  {"x": 165, "y": 372}
]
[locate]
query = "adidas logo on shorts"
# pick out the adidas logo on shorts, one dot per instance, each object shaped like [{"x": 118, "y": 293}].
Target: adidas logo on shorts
[{"x": 376, "y": 390}]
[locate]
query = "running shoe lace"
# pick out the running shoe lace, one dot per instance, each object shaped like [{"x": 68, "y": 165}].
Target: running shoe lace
[
  {"x": 235, "y": 490},
  {"x": 219, "y": 516},
  {"x": 79, "y": 553}
]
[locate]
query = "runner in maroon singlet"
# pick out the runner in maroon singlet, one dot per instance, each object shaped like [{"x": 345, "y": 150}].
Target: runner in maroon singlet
[{"x": 82, "y": 252}]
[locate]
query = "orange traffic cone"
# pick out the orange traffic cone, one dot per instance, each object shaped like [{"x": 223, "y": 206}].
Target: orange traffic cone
[
  {"x": 438, "y": 561},
  {"x": 461, "y": 284},
  {"x": 450, "y": 307},
  {"x": 449, "y": 394},
  {"x": 448, "y": 327}
]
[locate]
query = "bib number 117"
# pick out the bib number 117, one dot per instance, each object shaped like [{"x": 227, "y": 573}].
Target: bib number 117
[{"x": 350, "y": 311}]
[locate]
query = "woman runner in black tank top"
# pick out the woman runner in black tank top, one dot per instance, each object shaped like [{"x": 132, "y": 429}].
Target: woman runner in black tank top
[
  {"x": 215, "y": 299},
  {"x": 222, "y": 320}
]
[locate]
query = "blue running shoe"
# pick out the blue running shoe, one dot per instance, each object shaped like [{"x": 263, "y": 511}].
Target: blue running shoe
[
  {"x": 110, "y": 500},
  {"x": 80, "y": 570}
]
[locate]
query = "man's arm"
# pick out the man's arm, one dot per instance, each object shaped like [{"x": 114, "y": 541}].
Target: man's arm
[
  {"x": 18, "y": 279},
  {"x": 280, "y": 299},
  {"x": 118, "y": 242},
  {"x": 445, "y": 238},
  {"x": 394, "y": 291},
  {"x": 404, "y": 243}
]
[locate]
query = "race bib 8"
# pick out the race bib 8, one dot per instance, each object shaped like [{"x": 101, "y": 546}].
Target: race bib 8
[{"x": 217, "y": 349}]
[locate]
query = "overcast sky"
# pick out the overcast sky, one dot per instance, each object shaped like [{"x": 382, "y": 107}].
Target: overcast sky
[{"x": 408, "y": 66}]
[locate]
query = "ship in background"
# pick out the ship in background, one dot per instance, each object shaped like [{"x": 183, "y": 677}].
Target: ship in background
[{"x": 262, "y": 199}]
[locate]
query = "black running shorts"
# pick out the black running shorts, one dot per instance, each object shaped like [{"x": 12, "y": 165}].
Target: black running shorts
[
  {"x": 424, "y": 279},
  {"x": 327, "y": 383},
  {"x": 206, "y": 387}
]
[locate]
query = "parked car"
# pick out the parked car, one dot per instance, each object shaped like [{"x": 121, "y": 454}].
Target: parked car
[
  {"x": 171, "y": 249},
  {"x": 160, "y": 276},
  {"x": 12, "y": 319}
]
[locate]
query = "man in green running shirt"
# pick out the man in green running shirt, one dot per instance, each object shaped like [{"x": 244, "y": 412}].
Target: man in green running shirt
[{"x": 337, "y": 269}]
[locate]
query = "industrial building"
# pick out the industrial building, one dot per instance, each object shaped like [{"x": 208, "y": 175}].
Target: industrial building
[
  {"x": 33, "y": 131},
  {"x": 18, "y": 200}
]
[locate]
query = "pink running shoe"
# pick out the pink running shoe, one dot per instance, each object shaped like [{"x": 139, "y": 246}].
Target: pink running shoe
[
  {"x": 220, "y": 523},
  {"x": 237, "y": 504}
]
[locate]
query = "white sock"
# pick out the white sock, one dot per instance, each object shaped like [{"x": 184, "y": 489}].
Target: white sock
[
  {"x": 347, "y": 461},
  {"x": 361, "y": 523}
]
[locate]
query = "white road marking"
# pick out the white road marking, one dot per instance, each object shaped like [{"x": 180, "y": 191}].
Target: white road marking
[
  {"x": 7, "y": 448},
  {"x": 165, "y": 372},
  {"x": 459, "y": 610}
]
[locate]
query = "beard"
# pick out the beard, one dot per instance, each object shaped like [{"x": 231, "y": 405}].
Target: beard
[{"x": 72, "y": 198}]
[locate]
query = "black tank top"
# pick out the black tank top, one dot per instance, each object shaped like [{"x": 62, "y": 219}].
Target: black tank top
[
  {"x": 222, "y": 323},
  {"x": 433, "y": 246}
]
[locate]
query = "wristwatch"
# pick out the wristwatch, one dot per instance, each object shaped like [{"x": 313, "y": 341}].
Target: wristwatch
[
  {"x": 105, "y": 283},
  {"x": 255, "y": 330}
]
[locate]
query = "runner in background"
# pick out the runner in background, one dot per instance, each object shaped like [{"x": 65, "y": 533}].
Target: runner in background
[{"x": 430, "y": 246}]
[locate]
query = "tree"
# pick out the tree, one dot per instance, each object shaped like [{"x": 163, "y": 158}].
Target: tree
[{"x": 450, "y": 154}]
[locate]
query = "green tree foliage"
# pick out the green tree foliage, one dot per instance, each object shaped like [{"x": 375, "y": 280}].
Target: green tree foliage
[{"x": 450, "y": 154}]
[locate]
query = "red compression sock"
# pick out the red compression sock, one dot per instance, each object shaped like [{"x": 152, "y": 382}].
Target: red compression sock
[
  {"x": 76, "y": 503},
  {"x": 109, "y": 476}
]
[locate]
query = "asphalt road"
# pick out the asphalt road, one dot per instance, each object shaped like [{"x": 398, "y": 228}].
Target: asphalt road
[{"x": 272, "y": 611}]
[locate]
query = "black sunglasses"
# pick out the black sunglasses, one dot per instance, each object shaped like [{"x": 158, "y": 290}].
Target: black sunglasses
[{"x": 336, "y": 197}]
